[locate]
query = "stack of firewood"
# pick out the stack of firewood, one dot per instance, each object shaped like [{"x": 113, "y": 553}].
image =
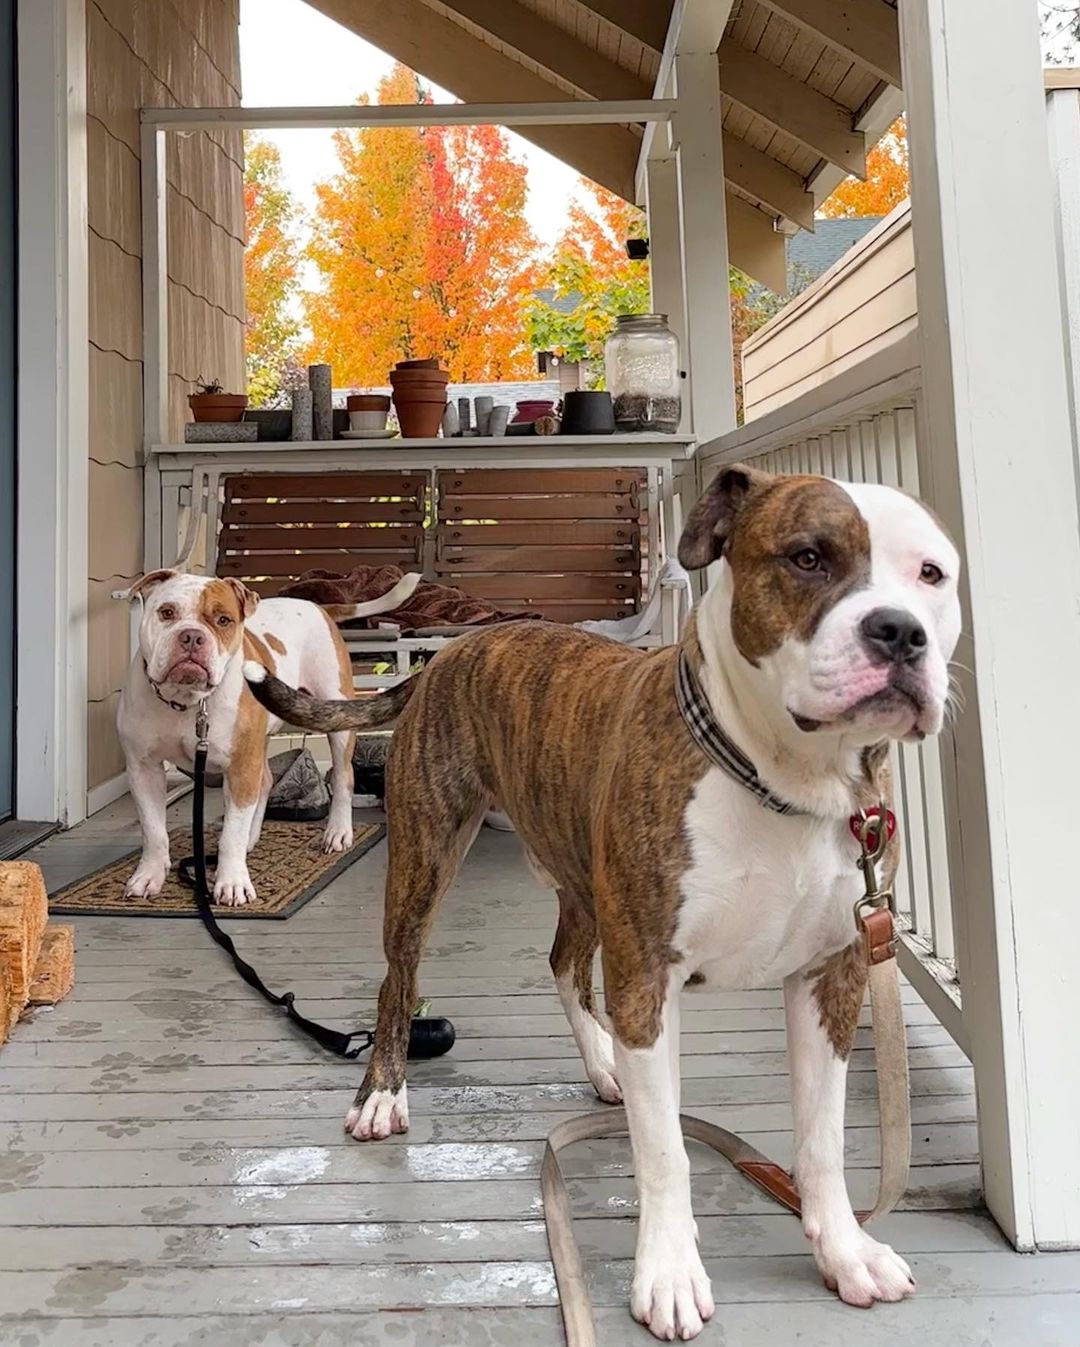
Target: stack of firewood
[{"x": 37, "y": 957}]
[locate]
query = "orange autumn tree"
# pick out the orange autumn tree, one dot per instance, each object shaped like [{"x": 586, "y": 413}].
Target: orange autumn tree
[
  {"x": 887, "y": 180},
  {"x": 423, "y": 249},
  {"x": 271, "y": 270}
]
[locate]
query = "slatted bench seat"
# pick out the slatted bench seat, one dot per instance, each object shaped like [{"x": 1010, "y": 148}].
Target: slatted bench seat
[
  {"x": 564, "y": 542},
  {"x": 569, "y": 543},
  {"x": 277, "y": 526}
]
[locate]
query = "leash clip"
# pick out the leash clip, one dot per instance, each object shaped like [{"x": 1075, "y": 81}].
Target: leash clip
[
  {"x": 202, "y": 727},
  {"x": 873, "y": 829}
]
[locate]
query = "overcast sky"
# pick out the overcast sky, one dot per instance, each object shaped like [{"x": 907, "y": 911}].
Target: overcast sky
[{"x": 292, "y": 55}]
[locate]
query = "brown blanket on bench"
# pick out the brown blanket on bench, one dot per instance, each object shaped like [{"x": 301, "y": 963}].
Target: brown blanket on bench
[{"x": 430, "y": 605}]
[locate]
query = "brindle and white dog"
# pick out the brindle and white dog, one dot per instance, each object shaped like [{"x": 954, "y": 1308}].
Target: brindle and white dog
[{"x": 825, "y": 634}]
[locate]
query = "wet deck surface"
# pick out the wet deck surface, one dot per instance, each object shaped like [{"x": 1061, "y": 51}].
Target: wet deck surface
[{"x": 173, "y": 1167}]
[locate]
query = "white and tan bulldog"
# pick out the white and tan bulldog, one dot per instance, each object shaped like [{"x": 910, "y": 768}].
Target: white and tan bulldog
[
  {"x": 195, "y": 633},
  {"x": 826, "y": 635}
]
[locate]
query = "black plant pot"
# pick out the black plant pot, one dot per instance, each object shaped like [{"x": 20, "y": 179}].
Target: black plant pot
[{"x": 587, "y": 412}]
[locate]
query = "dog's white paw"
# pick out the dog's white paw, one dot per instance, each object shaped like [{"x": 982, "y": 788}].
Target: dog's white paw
[
  {"x": 860, "y": 1270},
  {"x": 381, "y": 1114},
  {"x": 234, "y": 888},
  {"x": 148, "y": 879},
  {"x": 600, "y": 1068},
  {"x": 337, "y": 837},
  {"x": 671, "y": 1294}
]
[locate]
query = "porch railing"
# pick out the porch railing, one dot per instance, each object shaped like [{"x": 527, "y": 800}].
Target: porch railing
[{"x": 864, "y": 426}]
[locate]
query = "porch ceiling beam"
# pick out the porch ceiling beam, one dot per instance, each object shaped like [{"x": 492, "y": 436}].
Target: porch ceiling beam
[
  {"x": 865, "y": 31},
  {"x": 445, "y": 53},
  {"x": 754, "y": 245},
  {"x": 767, "y": 181},
  {"x": 819, "y": 123},
  {"x": 567, "y": 112},
  {"x": 552, "y": 47},
  {"x": 646, "y": 20}
]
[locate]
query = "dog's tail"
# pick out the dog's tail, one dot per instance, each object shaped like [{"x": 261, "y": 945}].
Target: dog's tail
[
  {"x": 385, "y": 603},
  {"x": 306, "y": 712}
]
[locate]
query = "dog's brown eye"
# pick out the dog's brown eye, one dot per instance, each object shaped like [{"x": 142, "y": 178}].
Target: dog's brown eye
[
  {"x": 223, "y": 620},
  {"x": 166, "y": 613},
  {"x": 806, "y": 559},
  {"x": 931, "y": 574}
]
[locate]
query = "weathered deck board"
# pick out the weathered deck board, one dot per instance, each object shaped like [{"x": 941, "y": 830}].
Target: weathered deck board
[
  {"x": 1005, "y": 1321},
  {"x": 173, "y": 1169}
]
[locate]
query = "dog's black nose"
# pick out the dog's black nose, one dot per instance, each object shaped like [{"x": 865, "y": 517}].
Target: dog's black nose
[{"x": 893, "y": 636}]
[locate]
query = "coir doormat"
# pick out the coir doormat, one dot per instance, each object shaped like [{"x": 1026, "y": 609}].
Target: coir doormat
[{"x": 288, "y": 868}]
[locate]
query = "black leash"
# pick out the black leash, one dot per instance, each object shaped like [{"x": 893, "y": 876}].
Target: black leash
[{"x": 427, "y": 1037}]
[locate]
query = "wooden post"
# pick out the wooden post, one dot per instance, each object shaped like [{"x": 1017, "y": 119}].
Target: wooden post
[
  {"x": 1063, "y": 124},
  {"x": 709, "y": 356},
  {"x": 666, "y": 252},
  {"x": 52, "y": 413},
  {"x": 998, "y": 463},
  {"x": 665, "y": 243}
]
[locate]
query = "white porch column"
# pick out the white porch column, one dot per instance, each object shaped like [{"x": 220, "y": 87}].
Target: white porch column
[
  {"x": 998, "y": 463},
  {"x": 53, "y": 413},
  {"x": 709, "y": 356},
  {"x": 665, "y": 243},
  {"x": 666, "y": 252}
]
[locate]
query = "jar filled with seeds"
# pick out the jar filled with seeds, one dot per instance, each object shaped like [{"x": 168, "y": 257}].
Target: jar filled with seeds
[{"x": 641, "y": 363}]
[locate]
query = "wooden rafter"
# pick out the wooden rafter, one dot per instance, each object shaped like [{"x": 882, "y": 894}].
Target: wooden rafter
[
  {"x": 647, "y": 20},
  {"x": 819, "y": 123},
  {"x": 445, "y": 53},
  {"x": 552, "y": 47},
  {"x": 754, "y": 246},
  {"x": 865, "y": 31},
  {"x": 768, "y": 181}
]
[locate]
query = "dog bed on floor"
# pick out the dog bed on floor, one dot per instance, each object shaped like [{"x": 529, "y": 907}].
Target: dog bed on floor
[{"x": 288, "y": 868}]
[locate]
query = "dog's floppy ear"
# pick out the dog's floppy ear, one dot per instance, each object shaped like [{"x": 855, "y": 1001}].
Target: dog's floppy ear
[
  {"x": 145, "y": 583},
  {"x": 713, "y": 517},
  {"x": 246, "y": 598}
]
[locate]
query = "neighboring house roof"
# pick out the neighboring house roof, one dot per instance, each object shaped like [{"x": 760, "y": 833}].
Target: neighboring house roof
[
  {"x": 811, "y": 255},
  {"x": 565, "y": 304}
]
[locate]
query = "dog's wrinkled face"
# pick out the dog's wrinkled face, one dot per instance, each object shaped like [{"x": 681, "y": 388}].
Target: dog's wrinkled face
[
  {"x": 192, "y": 626},
  {"x": 843, "y": 598}
]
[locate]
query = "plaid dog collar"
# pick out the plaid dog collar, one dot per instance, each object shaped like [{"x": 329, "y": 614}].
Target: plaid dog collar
[{"x": 709, "y": 736}]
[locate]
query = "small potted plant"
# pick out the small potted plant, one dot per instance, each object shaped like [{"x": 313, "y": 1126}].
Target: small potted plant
[{"x": 211, "y": 403}]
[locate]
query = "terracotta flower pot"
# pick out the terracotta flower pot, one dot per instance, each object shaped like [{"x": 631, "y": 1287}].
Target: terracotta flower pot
[
  {"x": 398, "y": 377},
  {"x": 367, "y": 402},
  {"x": 418, "y": 364},
  {"x": 419, "y": 406},
  {"x": 217, "y": 406}
]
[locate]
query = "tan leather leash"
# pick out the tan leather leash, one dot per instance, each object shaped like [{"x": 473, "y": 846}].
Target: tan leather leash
[{"x": 874, "y": 922}]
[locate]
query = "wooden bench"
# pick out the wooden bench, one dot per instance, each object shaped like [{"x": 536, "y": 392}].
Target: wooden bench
[
  {"x": 569, "y": 543},
  {"x": 277, "y": 526}
]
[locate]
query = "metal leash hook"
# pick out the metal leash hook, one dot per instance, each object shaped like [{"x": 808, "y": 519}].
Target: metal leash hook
[{"x": 875, "y": 909}]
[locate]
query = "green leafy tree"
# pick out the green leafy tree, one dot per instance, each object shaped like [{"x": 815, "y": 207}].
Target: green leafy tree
[
  {"x": 271, "y": 271},
  {"x": 591, "y": 280}
]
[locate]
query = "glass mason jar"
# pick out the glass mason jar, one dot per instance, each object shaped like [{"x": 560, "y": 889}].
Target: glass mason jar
[{"x": 641, "y": 364}]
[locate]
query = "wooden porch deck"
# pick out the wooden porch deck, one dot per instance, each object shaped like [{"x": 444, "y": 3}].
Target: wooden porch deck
[{"x": 174, "y": 1168}]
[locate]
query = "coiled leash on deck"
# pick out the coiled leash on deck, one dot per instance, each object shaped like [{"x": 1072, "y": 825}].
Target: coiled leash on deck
[
  {"x": 427, "y": 1037},
  {"x": 874, "y": 922}
]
